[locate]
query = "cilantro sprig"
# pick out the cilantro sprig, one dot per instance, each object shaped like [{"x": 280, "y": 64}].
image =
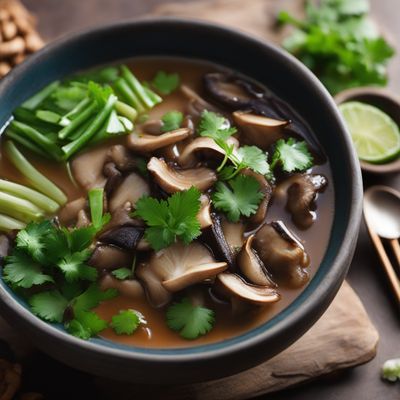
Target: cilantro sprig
[
  {"x": 53, "y": 261},
  {"x": 337, "y": 40},
  {"x": 217, "y": 128},
  {"x": 171, "y": 219},
  {"x": 292, "y": 155},
  {"x": 189, "y": 320},
  {"x": 241, "y": 197}
]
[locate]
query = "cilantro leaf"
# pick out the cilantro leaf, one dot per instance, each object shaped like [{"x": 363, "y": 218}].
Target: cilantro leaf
[
  {"x": 242, "y": 199},
  {"x": 293, "y": 155},
  {"x": 92, "y": 297},
  {"x": 49, "y": 306},
  {"x": 86, "y": 324},
  {"x": 73, "y": 266},
  {"x": 166, "y": 83},
  {"x": 215, "y": 127},
  {"x": 254, "y": 158},
  {"x": 174, "y": 218},
  {"x": 122, "y": 273},
  {"x": 80, "y": 238},
  {"x": 30, "y": 239},
  {"x": 171, "y": 120},
  {"x": 189, "y": 320},
  {"x": 126, "y": 322},
  {"x": 22, "y": 271}
]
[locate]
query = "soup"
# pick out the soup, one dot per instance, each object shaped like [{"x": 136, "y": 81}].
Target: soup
[{"x": 184, "y": 207}]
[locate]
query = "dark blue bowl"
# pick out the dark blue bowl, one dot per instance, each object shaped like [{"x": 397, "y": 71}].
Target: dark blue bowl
[{"x": 289, "y": 79}]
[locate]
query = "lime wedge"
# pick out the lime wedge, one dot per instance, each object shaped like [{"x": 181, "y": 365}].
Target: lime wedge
[{"x": 375, "y": 135}]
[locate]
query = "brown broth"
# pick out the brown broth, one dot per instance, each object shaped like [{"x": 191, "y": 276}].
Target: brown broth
[{"x": 156, "y": 333}]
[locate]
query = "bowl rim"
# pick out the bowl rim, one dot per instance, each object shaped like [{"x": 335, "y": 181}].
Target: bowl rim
[{"x": 291, "y": 317}]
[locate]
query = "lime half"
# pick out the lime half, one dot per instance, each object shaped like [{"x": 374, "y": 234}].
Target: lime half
[{"x": 375, "y": 135}]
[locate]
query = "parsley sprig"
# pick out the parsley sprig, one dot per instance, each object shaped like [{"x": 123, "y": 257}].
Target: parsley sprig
[
  {"x": 217, "y": 128},
  {"x": 189, "y": 320},
  {"x": 171, "y": 219}
]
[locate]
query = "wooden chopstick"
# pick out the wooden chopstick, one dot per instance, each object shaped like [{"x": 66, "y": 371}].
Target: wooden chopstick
[
  {"x": 396, "y": 249},
  {"x": 387, "y": 265}
]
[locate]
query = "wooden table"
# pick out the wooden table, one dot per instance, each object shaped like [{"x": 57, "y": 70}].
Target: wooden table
[{"x": 60, "y": 16}]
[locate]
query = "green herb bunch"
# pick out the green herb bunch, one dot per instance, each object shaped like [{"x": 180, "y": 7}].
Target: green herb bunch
[{"x": 339, "y": 43}]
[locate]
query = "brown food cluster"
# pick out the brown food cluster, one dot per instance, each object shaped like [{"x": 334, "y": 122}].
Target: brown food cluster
[{"x": 18, "y": 36}]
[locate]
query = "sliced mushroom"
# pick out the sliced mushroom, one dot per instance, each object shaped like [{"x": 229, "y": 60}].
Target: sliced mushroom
[
  {"x": 127, "y": 287},
  {"x": 230, "y": 90},
  {"x": 233, "y": 286},
  {"x": 302, "y": 191},
  {"x": 152, "y": 127},
  {"x": 252, "y": 267},
  {"x": 87, "y": 168},
  {"x": 283, "y": 254},
  {"x": 130, "y": 190},
  {"x": 148, "y": 143},
  {"x": 204, "y": 215},
  {"x": 69, "y": 212},
  {"x": 175, "y": 268},
  {"x": 5, "y": 247},
  {"x": 107, "y": 257},
  {"x": 214, "y": 237},
  {"x": 205, "y": 145},
  {"x": 125, "y": 237},
  {"x": 173, "y": 180},
  {"x": 122, "y": 217},
  {"x": 120, "y": 156},
  {"x": 114, "y": 177},
  {"x": 259, "y": 130},
  {"x": 234, "y": 234},
  {"x": 266, "y": 190},
  {"x": 196, "y": 105}
]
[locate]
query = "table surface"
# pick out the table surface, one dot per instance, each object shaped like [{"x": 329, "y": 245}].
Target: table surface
[{"x": 58, "y": 17}]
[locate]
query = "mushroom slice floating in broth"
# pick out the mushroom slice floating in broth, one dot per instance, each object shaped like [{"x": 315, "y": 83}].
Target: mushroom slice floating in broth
[
  {"x": 127, "y": 287},
  {"x": 214, "y": 237},
  {"x": 283, "y": 254},
  {"x": 259, "y": 130},
  {"x": 174, "y": 180},
  {"x": 205, "y": 145},
  {"x": 147, "y": 143},
  {"x": 302, "y": 191},
  {"x": 132, "y": 188},
  {"x": 234, "y": 287},
  {"x": 175, "y": 268},
  {"x": 109, "y": 257},
  {"x": 251, "y": 265},
  {"x": 196, "y": 105},
  {"x": 125, "y": 237},
  {"x": 204, "y": 215}
]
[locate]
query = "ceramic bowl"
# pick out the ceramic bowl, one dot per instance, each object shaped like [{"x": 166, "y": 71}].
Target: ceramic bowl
[
  {"x": 385, "y": 101},
  {"x": 290, "y": 80}
]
